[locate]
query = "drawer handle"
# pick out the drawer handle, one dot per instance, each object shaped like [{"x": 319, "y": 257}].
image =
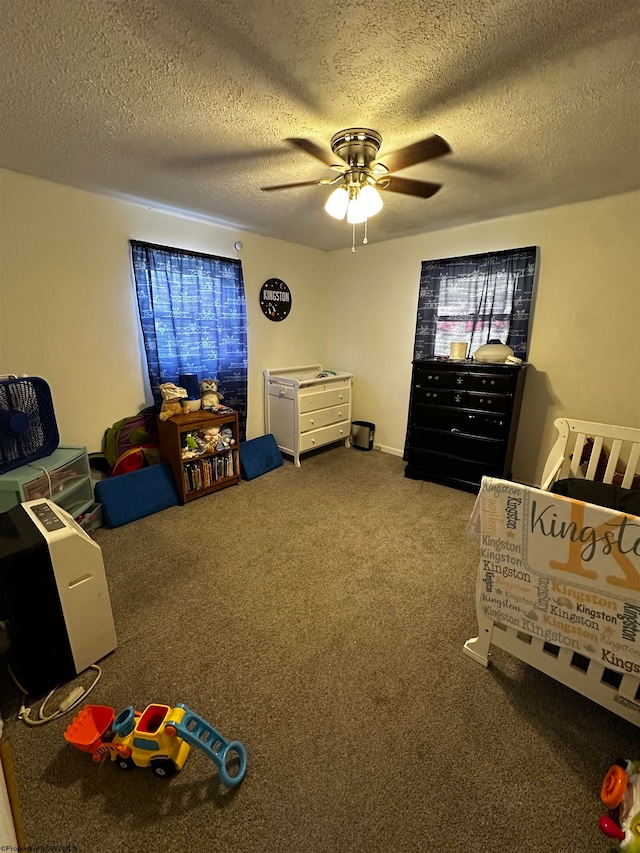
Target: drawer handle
[
  {"x": 313, "y": 441},
  {"x": 339, "y": 415},
  {"x": 311, "y": 422},
  {"x": 453, "y": 429}
]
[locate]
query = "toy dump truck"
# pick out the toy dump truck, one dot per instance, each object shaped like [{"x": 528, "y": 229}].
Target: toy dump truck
[
  {"x": 621, "y": 794},
  {"x": 160, "y": 738}
]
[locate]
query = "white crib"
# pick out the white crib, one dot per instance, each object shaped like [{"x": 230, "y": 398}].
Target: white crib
[{"x": 594, "y": 451}]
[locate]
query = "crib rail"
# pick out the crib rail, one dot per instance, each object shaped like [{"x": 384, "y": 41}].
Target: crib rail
[
  {"x": 594, "y": 451},
  {"x": 616, "y": 691}
]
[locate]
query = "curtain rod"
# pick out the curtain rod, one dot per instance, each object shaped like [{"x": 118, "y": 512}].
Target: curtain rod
[
  {"x": 144, "y": 245},
  {"x": 496, "y": 254}
]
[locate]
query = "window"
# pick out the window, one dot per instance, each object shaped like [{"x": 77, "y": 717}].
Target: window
[
  {"x": 477, "y": 298},
  {"x": 193, "y": 318}
]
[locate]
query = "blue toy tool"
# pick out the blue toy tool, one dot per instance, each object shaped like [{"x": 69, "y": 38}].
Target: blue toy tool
[{"x": 199, "y": 733}]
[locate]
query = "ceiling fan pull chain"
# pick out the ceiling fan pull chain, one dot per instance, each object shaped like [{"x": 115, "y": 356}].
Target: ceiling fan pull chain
[
  {"x": 365, "y": 239},
  {"x": 353, "y": 238}
]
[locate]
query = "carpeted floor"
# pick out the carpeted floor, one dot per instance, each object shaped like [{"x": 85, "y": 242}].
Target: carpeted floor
[{"x": 318, "y": 615}]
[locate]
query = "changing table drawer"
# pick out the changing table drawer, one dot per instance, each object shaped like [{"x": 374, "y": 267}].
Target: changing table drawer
[
  {"x": 314, "y": 400},
  {"x": 319, "y": 437},
  {"x": 323, "y": 417}
]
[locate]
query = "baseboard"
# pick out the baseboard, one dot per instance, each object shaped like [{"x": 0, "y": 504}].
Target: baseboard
[{"x": 392, "y": 451}]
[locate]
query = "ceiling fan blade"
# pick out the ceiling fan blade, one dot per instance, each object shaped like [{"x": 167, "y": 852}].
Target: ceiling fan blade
[
  {"x": 326, "y": 157},
  {"x": 426, "y": 149},
  {"x": 288, "y": 186},
  {"x": 422, "y": 189}
]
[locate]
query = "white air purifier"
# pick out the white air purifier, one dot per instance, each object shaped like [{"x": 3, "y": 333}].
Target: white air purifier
[{"x": 53, "y": 596}]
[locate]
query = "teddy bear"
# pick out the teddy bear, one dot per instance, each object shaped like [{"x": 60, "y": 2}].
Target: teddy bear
[
  {"x": 210, "y": 395},
  {"x": 171, "y": 396}
]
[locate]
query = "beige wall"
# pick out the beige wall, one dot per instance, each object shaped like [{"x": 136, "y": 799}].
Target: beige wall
[
  {"x": 68, "y": 310},
  {"x": 584, "y": 342}
]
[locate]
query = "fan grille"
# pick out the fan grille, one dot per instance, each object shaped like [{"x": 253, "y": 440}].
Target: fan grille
[{"x": 30, "y": 396}]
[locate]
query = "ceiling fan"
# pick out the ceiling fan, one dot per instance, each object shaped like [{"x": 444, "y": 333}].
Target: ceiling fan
[{"x": 354, "y": 155}]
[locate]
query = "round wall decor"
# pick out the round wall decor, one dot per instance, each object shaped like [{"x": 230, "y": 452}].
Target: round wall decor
[{"x": 275, "y": 299}]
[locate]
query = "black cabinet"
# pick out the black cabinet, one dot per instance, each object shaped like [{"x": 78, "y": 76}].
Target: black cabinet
[{"x": 463, "y": 418}]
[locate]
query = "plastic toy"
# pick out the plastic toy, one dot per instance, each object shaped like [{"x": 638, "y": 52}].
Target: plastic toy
[
  {"x": 159, "y": 738},
  {"x": 621, "y": 795}
]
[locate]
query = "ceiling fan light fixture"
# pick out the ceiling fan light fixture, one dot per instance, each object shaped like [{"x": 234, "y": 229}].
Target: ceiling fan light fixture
[
  {"x": 370, "y": 197},
  {"x": 337, "y": 203},
  {"x": 361, "y": 174},
  {"x": 364, "y": 203},
  {"x": 356, "y": 212}
]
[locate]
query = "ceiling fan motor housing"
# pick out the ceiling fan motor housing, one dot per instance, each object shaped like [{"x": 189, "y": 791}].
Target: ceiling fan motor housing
[{"x": 357, "y": 146}]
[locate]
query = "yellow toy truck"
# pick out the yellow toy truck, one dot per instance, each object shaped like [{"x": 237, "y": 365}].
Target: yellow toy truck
[{"x": 159, "y": 738}]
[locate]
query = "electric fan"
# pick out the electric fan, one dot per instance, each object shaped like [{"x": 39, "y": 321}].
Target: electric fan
[{"x": 28, "y": 428}]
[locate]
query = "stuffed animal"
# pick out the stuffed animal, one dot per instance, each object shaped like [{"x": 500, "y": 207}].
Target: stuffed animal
[
  {"x": 211, "y": 436},
  {"x": 171, "y": 397},
  {"x": 227, "y": 436},
  {"x": 209, "y": 394}
]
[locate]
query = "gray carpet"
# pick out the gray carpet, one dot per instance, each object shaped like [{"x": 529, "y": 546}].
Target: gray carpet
[{"x": 318, "y": 615}]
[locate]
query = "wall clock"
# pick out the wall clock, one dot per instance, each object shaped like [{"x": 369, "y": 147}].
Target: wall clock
[{"x": 275, "y": 299}]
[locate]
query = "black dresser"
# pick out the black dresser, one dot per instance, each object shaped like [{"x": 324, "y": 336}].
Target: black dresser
[{"x": 463, "y": 418}]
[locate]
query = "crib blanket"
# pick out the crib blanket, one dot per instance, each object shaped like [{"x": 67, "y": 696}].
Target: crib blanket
[{"x": 561, "y": 570}]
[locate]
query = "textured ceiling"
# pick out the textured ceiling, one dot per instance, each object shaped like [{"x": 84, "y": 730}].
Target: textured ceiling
[{"x": 187, "y": 103}]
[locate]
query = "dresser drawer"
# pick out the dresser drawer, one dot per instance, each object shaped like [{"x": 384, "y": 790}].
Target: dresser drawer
[
  {"x": 499, "y": 404},
  {"x": 427, "y": 377},
  {"x": 428, "y": 394},
  {"x": 494, "y": 382},
  {"x": 323, "y": 417},
  {"x": 439, "y": 417},
  {"x": 325, "y": 435},
  {"x": 474, "y": 448},
  {"x": 315, "y": 400},
  {"x": 440, "y": 466}
]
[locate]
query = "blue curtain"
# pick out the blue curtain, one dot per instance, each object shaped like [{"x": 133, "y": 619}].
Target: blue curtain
[
  {"x": 193, "y": 318},
  {"x": 476, "y": 298}
]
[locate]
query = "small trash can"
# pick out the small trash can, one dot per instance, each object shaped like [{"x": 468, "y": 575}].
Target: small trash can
[{"x": 362, "y": 433}]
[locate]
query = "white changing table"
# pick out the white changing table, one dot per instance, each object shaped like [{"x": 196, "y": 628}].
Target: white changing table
[{"x": 304, "y": 411}]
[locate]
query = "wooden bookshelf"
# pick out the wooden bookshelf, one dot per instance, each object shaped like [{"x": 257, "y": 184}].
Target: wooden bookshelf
[{"x": 203, "y": 473}]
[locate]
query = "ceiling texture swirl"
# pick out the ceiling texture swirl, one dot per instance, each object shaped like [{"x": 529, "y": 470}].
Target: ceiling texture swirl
[{"x": 188, "y": 104}]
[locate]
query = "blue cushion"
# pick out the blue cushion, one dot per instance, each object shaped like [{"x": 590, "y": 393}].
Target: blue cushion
[
  {"x": 258, "y": 456},
  {"x": 129, "y": 497}
]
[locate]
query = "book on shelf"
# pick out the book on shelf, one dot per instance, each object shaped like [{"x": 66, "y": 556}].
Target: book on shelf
[{"x": 201, "y": 473}]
